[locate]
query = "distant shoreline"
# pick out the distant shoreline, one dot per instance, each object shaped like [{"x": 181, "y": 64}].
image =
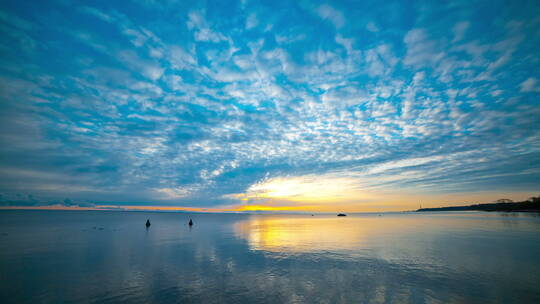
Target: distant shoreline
[{"x": 531, "y": 205}]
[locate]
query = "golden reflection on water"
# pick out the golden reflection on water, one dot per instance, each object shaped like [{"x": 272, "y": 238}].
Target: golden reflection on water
[{"x": 305, "y": 234}]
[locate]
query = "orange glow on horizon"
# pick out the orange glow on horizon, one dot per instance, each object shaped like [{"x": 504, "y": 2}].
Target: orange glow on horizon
[{"x": 383, "y": 202}]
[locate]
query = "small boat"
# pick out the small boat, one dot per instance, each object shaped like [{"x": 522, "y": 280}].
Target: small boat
[
  {"x": 148, "y": 223},
  {"x": 342, "y": 214}
]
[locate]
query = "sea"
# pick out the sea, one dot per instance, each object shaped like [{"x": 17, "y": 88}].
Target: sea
[{"x": 112, "y": 257}]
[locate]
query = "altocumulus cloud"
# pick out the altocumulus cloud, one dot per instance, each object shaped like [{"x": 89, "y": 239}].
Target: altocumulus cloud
[{"x": 213, "y": 104}]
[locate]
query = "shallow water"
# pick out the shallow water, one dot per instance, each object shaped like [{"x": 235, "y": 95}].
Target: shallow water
[{"x": 110, "y": 257}]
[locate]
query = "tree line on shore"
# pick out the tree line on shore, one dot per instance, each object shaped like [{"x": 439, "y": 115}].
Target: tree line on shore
[{"x": 504, "y": 205}]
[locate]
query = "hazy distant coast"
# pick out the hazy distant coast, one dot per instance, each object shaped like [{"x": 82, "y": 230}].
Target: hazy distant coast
[{"x": 503, "y": 205}]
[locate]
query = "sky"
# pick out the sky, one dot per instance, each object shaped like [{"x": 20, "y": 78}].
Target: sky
[{"x": 268, "y": 105}]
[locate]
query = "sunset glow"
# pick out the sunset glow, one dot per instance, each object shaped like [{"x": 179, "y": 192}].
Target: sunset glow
[
  {"x": 194, "y": 106},
  {"x": 278, "y": 151}
]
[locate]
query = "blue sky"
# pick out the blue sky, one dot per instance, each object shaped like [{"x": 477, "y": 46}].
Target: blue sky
[{"x": 356, "y": 105}]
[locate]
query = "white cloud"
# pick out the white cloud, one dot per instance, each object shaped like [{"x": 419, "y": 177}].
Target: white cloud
[
  {"x": 329, "y": 13},
  {"x": 251, "y": 21},
  {"x": 380, "y": 60},
  {"x": 344, "y": 97},
  {"x": 206, "y": 34},
  {"x": 174, "y": 82},
  {"x": 382, "y": 109},
  {"x": 137, "y": 38},
  {"x": 145, "y": 87},
  {"x": 346, "y": 43},
  {"x": 418, "y": 77},
  {"x": 496, "y": 93},
  {"x": 179, "y": 58},
  {"x": 173, "y": 193},
  {"x": 149, "y": 69},
  {"x": 421, "y": 51},
  {"x": 97, "y": 13},
  {"x": 529, "y": 85},
  {"x": 195, "y": 20},
  {"x": 203, "y": 31}
]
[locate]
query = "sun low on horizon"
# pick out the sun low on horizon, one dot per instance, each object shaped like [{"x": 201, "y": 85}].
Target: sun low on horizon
[{"x": 278, "y": 106}]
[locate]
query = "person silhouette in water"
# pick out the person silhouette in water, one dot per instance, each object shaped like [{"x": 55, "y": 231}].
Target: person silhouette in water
[
  {"x": 147, "y": 223},
  {"x": 190, "y": 223}
]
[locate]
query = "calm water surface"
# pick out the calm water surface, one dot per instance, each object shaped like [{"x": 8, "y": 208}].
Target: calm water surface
[{"x": 110, "y": 257}]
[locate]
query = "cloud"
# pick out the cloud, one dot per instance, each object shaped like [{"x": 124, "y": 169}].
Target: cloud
[
  {"x": 203, "y": 32},
  {"x": 97, "y": 13},
  {"x": 529, "y": 85},
  {"x": 251, "y": 21},
  {"x": 327, "y": 12},
  {"x": 147, "y": 68},
  {"x": 307, "y": 189},
  {"x": 421, "y": 51},
  {"x": 380, "y": 60},
  {"x": 213, "y": 108},
  {"x": 459, "y": 30}
]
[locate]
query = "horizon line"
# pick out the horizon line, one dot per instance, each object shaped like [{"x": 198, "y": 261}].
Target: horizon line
[{"x": 174, "y": 210}]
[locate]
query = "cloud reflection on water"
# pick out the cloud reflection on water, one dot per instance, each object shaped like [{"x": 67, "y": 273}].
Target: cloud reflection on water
[{"x": 399, "y": 258}]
